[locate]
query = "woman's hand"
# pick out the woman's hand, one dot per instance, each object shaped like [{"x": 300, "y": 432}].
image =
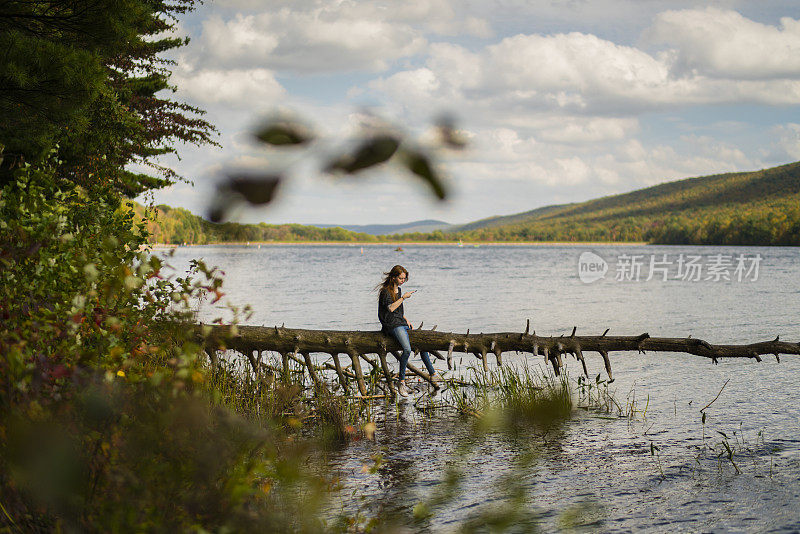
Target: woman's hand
[
  {"x": 409, "y": 324},
  {"x": 408, "y": 294}
]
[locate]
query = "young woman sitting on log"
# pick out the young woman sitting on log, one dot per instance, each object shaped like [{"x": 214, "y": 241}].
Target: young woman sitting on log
[{"x": 394, "y": 323}]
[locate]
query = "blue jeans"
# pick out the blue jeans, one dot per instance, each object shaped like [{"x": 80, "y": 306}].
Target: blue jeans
[{"x": 401, "y": 334}]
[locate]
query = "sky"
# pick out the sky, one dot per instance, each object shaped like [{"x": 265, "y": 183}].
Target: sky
[{"x": 560, "y": 101}]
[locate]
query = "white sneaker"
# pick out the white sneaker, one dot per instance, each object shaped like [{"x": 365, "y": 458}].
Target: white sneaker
[
  {"x": 436, "y": 379},
  {"x": 402, "y": 389}
]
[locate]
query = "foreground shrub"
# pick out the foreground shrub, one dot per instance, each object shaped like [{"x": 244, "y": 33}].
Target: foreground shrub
[{"x": 108, "y": 420}]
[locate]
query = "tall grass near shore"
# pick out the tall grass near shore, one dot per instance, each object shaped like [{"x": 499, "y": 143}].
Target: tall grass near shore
[
  {"x": 516, "y": 394},
  {"x": 519, "y": 392},
  {"x": 292, "y": 402},
  {"x": 507, "y": 403}
]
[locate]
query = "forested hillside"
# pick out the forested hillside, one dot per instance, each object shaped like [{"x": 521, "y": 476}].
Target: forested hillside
[
  {"x": 754, "y": 208},
  {"x": 177, "y": 226}
]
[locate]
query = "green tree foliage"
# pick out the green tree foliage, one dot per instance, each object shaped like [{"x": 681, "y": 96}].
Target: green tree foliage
[
  {"x": 84, "y": 75},
  {"x": 107, "y": 406},
  {"x": 177, "y": 226},
  {"x": 106, "y": 420}
]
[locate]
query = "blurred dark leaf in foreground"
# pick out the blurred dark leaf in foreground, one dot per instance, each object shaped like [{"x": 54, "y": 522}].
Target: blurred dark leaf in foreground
[
  {"x": 284, "y": 132},
  {"x": 378, "y": 145},
  {"x": 420, "y": 164},
  {"x": 254, "y": 190},
  {"x": 449, "y": 136},
  {"x": 217, "y": 213},
  {"x": 372, "y": 151}
]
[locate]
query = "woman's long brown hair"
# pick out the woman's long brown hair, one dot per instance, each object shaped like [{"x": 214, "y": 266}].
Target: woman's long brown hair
[{"x": 390, "y": 280}]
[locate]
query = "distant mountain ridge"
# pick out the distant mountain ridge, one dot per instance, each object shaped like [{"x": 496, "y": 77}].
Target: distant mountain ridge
[
  {"x": 499, "y": 220},
  {"x": 741, "y": 208},
  {"x": 428, "y": 225}
]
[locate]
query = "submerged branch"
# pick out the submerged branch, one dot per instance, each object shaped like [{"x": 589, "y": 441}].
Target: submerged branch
[{"x": 356, "y": 344}]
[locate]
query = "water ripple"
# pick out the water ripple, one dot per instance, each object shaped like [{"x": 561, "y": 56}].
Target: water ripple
[{"x": 664, "y": 470}]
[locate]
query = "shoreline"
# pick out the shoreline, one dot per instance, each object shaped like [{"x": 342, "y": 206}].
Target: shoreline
[{"x": 403, "y": 243}]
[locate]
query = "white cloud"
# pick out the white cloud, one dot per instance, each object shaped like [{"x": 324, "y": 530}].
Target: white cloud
[
  {"x": 568, "y": 110},
  {"x": 442, "y": 17},
  {"x": 419, "y": 85},
  {"x": 572, "y": 171},
  {"x": 325, "y": 39},
  {"x": 788, "y": 141},
  {"x": 585, "y": 130},
  {"x": 528, "y": 74},
  {"x": 238, "y": 40},
  {"x": 254, "y": 88},
  {"x": 573, "y": 75},
  {"x": 500, "y": 145},
  {"x": 637, "y": 165},
  {"x": 477, "y": 27},
  {"x": 712, "y": 150},
  {"x": 586, "y": 172},
  {"x": 553, "y": 136},
  {"x": 570, "y": 62},
  {"x": 724, "y": 44}
]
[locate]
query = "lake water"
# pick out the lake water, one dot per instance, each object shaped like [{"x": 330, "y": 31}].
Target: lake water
[{"x": 655, "y": 473}]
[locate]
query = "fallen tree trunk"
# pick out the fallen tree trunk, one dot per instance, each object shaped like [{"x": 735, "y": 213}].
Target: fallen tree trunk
[{"x": 291, "y": 342}]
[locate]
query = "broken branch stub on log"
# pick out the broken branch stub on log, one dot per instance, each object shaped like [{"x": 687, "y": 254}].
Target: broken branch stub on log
[{"x": 291, "y": 341}]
